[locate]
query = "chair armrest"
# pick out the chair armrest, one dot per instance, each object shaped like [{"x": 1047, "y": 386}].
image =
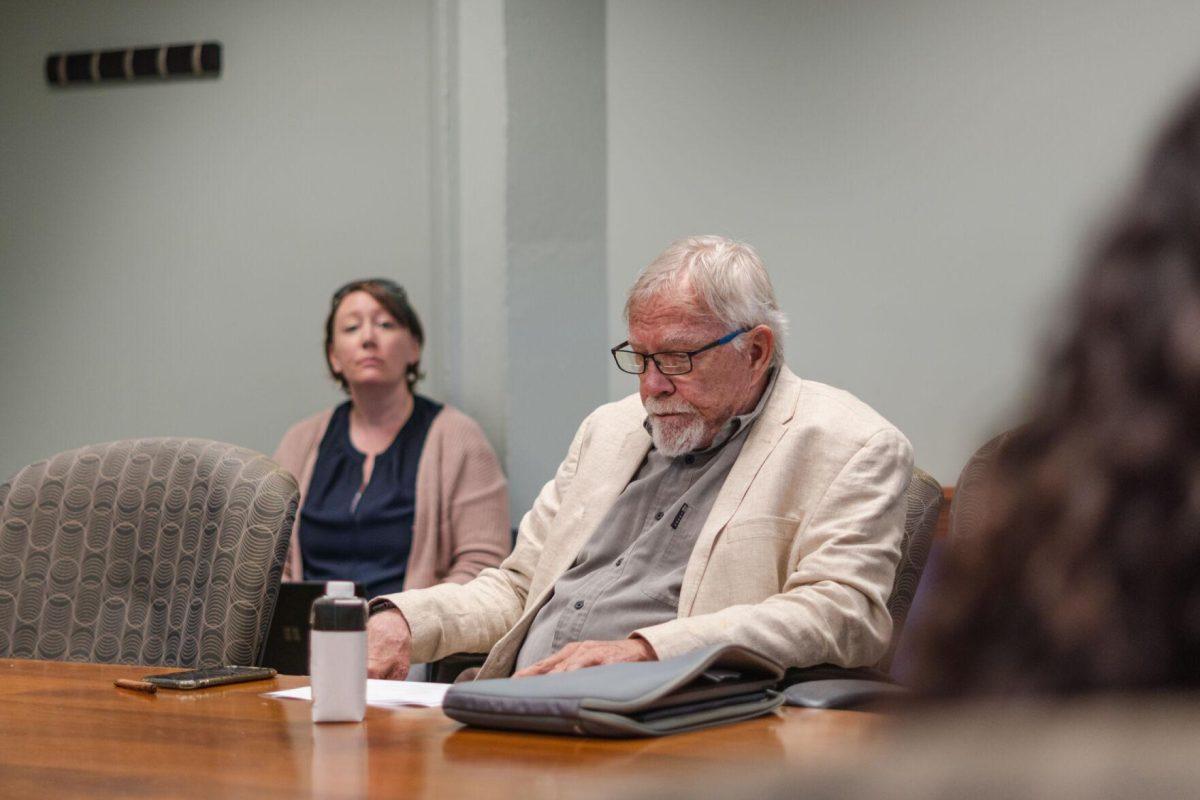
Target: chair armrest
[{"x": 447, "y": 670}]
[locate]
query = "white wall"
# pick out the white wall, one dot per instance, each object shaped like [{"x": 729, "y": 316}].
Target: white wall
[
  {"x": 167, "y": 250},
  {"x": 519, "y": 222},
  {"x": 918, "y": 176},
  {"x": 557, "y": 277},
  {"x": 478, "y": 331}
]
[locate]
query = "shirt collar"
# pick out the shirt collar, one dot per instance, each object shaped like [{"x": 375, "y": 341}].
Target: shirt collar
[{"x": 735, "y": 425}]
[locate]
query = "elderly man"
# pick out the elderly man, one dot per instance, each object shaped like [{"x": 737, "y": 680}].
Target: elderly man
[{"x": 735, "y": 503}]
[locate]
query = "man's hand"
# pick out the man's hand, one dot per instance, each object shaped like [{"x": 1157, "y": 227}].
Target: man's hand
[
  {"x": 591, "y": 654},
  {"x": 389, "y": 645}
]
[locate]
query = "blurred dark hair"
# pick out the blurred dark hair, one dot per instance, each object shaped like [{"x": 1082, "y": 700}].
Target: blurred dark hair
[
  {"x": 1084, "y": 575},
  {"x": 392, "y": 297}
]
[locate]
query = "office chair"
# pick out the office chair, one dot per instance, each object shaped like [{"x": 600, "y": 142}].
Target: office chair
[
  {"x": 829, "y": 686},
  {"x": 968, "y": 507},
  {"x": 923, "y": 503},
  {"x": 163, "y": 552}
]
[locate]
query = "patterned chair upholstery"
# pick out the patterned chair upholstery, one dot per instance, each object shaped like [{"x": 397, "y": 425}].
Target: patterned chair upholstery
[
  {"x": 924, "y": 500},
  {"x": 163, "y": 552},
  {"x": 967, "y": 510}
]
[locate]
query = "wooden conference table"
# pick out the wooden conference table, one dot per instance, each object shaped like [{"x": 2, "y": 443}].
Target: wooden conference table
[{"x": 66, "y": 731}]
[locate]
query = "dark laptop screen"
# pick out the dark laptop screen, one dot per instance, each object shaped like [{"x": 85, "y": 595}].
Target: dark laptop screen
[{"x": 286, "y": 648}]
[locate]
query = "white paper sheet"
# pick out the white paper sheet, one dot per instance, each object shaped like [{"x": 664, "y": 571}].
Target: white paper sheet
[{"x": 389, "y": 694}]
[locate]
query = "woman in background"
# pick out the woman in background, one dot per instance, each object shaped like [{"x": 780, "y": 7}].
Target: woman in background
[
  {"x": 1085, "y": 572},
  {"x": 396, "y": 491}
]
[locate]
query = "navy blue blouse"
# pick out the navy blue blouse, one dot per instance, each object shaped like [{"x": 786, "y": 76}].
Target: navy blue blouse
[{"x": 364, "y": 538}]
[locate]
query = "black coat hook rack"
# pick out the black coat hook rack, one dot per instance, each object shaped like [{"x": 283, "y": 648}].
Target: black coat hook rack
[{"x": 193, "y": 59}]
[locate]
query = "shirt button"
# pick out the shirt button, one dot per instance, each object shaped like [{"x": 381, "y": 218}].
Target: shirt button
[
  {"x": 658, "y": 516},
  {"x": 619, "y": 561},
  {"x": 578, "y": 604}
]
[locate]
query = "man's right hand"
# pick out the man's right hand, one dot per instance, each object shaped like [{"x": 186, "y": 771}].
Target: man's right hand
[{"x": 389, "y": 645}]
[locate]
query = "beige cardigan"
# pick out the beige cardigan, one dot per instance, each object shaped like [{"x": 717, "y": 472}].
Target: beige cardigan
[
  {"x": 461, "y": 522},
  {"x": 796, "y": 559}
]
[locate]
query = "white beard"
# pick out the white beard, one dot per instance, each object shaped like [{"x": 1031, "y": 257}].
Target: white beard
[{"x": 677, "y": 437}]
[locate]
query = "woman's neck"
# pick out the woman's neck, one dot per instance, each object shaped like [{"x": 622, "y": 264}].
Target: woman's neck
[{"x": 380, "y": 409}]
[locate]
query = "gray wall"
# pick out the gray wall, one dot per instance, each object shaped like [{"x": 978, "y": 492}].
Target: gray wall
[
  {"x": 917, "y": 175},
  {"x": 556, "y": 232},
  {"x": 167, "y": 250},
  {"x": 519, "y": 222}
]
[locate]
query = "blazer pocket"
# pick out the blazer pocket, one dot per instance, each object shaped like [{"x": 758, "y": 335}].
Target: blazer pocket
[
  {"x": 751, "y": 560},
  {"x": 762, "y": 528}
]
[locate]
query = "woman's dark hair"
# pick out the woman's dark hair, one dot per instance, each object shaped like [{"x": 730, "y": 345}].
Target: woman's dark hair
[
  {"x": 394, "y": 299},
  {"x": 1084, "y": 574}
]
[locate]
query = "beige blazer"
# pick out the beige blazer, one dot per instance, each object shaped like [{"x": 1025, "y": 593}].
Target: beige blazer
[
  {"x": 796, "y": 559},
  {"x": 460, "y": 523}
]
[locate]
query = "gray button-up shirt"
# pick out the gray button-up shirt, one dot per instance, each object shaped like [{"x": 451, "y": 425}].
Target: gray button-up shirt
[{"x": 628, "y": 574}]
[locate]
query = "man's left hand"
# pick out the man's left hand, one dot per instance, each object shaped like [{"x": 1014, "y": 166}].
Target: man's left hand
[{"x": 577, "y": 655}]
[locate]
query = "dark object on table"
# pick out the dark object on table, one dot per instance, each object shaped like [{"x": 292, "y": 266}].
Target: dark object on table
[
  {"x": 287, "y": 642},
  {"x": 210, "y": 676}
]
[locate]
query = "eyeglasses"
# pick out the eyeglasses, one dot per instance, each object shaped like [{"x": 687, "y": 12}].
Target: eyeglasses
[{"x": 671, "y": 362}]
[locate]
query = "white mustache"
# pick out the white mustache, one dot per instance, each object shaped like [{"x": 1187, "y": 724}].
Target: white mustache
[{"x": 668, "y": 405}]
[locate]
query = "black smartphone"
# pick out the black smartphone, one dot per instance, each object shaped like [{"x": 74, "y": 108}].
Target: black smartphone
[{"x": 209, "y": 676}]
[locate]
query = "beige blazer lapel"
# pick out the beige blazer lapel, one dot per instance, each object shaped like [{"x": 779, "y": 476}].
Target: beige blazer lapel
[
  {"x": 763, "y": 436},
  {"x": 597, "y": 500}
]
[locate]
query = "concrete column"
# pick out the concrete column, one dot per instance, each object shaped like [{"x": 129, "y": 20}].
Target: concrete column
[
  {"x": 556, "y": 219},
  {"x": 519, "y": 171}
]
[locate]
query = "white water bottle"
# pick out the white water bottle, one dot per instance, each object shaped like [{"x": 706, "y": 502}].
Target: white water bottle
[{"x": 338, "y": 654}]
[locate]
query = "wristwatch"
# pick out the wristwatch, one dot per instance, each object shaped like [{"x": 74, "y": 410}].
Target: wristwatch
[{"x": 380, "y": 604}]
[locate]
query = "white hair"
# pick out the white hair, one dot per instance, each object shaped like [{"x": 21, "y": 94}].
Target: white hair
[{"x": 727, "y": 278}]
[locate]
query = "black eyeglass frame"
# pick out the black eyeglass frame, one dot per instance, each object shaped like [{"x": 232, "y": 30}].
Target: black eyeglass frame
[{"x": 689, "y": 354}]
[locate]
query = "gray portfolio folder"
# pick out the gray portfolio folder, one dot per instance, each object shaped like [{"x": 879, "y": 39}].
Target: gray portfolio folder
[{"x": 649, "y": 698}]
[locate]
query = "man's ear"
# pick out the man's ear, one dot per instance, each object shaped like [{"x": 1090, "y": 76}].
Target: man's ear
[{"x": 762, "y": 347}]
